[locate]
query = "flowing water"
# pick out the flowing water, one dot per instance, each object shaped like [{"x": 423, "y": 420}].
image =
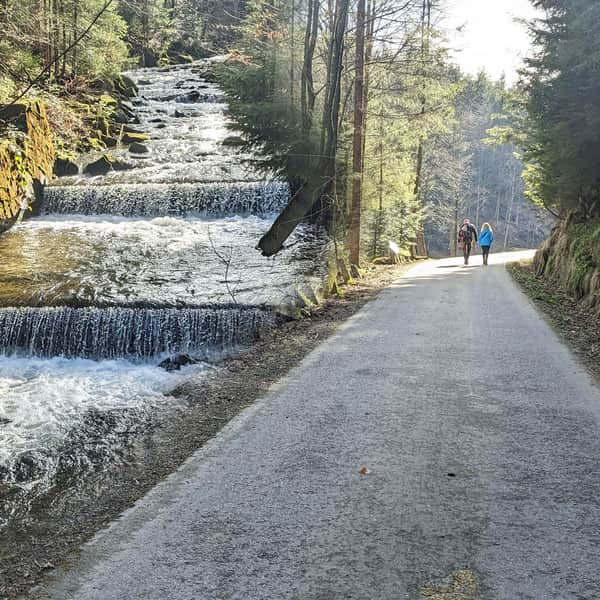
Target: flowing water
[{"x": 120, "y": 271}]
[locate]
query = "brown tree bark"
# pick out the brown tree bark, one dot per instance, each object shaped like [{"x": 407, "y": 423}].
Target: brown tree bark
[
  {"x": 320, "y": 183},
  {"x": 358, "y": 144},
  {"x": 307, "y": 91}
]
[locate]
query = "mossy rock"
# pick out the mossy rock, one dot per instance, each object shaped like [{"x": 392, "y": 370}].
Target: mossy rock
[
  {"x": 134, "y": 131},
  {"x": 107, "y": 100},
  {"x": 131, "y": 138},
  {"x": 26, "y": 159},
  {"x": 102, "y": 125},
  {"x": 126, "y": 86},
  {"x": 109, "y": 141}
]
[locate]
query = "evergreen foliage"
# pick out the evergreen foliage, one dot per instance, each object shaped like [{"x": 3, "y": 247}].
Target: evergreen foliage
[{"x": 562, "y": 129}]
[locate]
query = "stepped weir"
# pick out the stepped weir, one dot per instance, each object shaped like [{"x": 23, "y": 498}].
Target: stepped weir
[
  {"x": 151, "y": 200},
  {"x": 121, "y": 270},
  {"x": 106, "y": 333}
]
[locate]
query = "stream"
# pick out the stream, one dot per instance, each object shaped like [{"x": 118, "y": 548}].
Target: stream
[{"x": 123, "y": 270}]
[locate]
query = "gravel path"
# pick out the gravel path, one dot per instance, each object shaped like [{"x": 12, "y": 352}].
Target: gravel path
[{"x": 480, "y": 434}]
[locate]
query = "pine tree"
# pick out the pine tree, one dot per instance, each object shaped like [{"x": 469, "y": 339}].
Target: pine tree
[{"x": 562, "y": 82}]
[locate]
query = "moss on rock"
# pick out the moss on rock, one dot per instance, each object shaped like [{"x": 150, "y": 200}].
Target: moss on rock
[
  {"x": 571, "y": 258},
  {"x": 26, "y": 156}
]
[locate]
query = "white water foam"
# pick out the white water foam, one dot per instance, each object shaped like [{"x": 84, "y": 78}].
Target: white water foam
[{"x": 42, "y": 401}]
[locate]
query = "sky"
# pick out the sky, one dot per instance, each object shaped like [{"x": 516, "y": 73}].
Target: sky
[{"x": 489, "y": 37}]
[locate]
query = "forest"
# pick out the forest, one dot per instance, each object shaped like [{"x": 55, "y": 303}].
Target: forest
[{"x": 357, "y": 104}]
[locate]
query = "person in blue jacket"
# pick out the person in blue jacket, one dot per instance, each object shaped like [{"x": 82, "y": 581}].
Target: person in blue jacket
[{"x": 486, "y": 239}]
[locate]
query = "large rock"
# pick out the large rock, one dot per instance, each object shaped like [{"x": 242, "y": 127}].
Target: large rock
[
  {"x": 136, "y": 132},
  {"x": 124, "y": 114},
  {"x": 102, "y": 166},
  {"x": 14, "y": 115},
  {"x": 129, "y": 137},
  {"x": 137, "y": 148},
  {"x": 119, "y": 165},
  {"x": 26, "y": 158},
  {"x": 126, "y": 86},
  {"x": 63, "y": 167}
]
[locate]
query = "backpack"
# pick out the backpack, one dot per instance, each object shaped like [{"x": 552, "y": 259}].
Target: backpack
[{"x": 466, "y": 234}]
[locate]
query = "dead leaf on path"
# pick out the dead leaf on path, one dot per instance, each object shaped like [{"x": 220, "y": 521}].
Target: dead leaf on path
[{"x": 364, "y": 470}]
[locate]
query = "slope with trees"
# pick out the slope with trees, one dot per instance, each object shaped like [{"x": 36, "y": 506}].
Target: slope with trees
[{"x": 561, "y": 135}]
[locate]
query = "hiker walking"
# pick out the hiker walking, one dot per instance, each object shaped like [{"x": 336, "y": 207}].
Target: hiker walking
[
  {"x": 466, "y": 236},
  {"x": 486, "y": 239}
]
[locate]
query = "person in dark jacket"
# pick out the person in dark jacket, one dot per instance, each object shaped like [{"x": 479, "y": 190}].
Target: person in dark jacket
[
  {"x": 486, "y": 239},
  {"x": 466, "y": 237}
]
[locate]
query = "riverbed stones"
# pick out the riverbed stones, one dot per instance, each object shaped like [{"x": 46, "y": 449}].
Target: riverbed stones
[
  {"x": 233, "y": 140},
  {"x": 138, "y": 148},
  {"x": 131, "y": 136},
  {"x": 126, "y": 86},
  {"x": 102, "y": 166},
  {"x": 174, "y": 363},
  {"x": 63, "y": 167}
]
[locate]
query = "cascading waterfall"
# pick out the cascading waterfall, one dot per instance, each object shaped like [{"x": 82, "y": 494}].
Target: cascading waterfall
[
  {"x": 108, "y": 333},
  {"x": 181, "y": 199},
  {"x": 123, "y": 269}
]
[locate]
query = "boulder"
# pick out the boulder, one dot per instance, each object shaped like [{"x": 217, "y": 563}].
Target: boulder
[
  {"x": 119, "y": 165},
  {"x": 149, "y": 59},
  {"x": 193, "y": 96},
  {"x": 126, "y": 86},
  {"x": 135, "y": 132},
  {"x": 178, "y": 114},
  {"x": 108, "y": 140},
  {"x": 63, "y": 167},
  {"x": 174, "y": 363},
  {"x": 14, "y": 115},
  {"x": 129, "y": 137},
  {"x": 233, "y": 140},
  {"x": 102, "y": 166},
  {"x": 138, "y": 148},
  {"x": 120, "y": 116}
]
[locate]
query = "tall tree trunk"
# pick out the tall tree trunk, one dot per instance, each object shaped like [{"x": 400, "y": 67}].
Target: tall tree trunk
[
  {"x": 359, "y": 121},
  {"x": 378, "y": 219},
  {"x": 307, "y": 91},
  {"x": 320, "y": 183},
  {"x": 293, "y": 58},
  {"x": 425, "y": 43}
]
